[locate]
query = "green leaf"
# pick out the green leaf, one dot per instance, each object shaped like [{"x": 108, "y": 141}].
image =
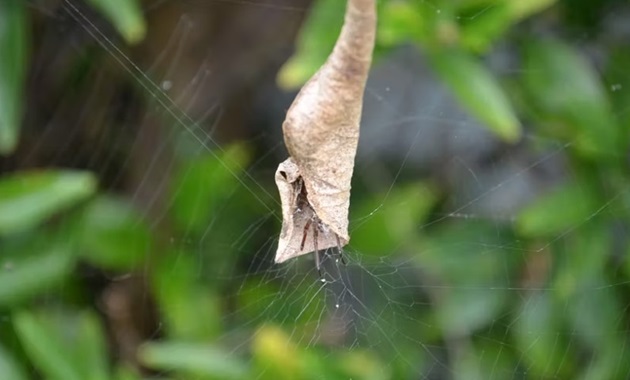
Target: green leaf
[
  {"x": 471, "y": 263},
  {"x": 539, "y": 338},
  {"x": 13, "y": 68},
  {"x": 399, "y": 22},
  {"x": 276, "y": 355},
  {"x": 563, "y": 209},
  {"x": 195, "y": 359},
  {"x": 27, "y": 199},
  {"x": 126, "y": 16},
  {"x": 617, "y": 84},
  {"x": 484, "y": 22},
  {"x": 461, "y": 310},
  {"x": 569, "y": 98},
  {"x": 594, "y": 316},
  {"x": 610, "y": 361},
  {"x": 467, "y": 254},
  {"x": 523, "y": 9},
  {"x": 112, "y": 234},
  {"x": 484, "y": 360},
  {"x": 484, "y": 25},
  {"x": 90, "y": 349},
  {"x": 581, "y": 284},
  {"x": 386, "y": 221},
  {"x": 190, "y": 310},
  {"x": 202, "y": 184},
  {"x": 10, "y": 369},
  {"x": 361, "y": 364},
  {"x": 578, "y": 269},
  {"x": 45, "y": 348},
  {"x": 302, "y": 305},
  {"x": 627, "y": 261},
  {"x": 126, "y": 373},
  {"x": 64, "y": 346},
  {"x": 479, "y": 91},
  {"x": 466, "y": 365},
  {"x": 315, "y": 42},
  {"x": 25, "y": 278}
]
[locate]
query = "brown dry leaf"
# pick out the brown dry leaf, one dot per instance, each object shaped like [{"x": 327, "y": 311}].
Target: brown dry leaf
[{"x": 321, "y": 133}]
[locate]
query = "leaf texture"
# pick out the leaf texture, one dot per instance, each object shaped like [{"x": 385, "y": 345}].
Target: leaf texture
[{"x": 321, "y": 133}]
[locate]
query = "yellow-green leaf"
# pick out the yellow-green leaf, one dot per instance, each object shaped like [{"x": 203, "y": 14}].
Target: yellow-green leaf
[
  {"x": 399, "y": 22},
  {"x": 522, "y": 9},
  {"x": 274, "y": 351}
]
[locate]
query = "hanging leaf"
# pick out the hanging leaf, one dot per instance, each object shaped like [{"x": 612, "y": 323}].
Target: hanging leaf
[
  {"x": 321, "y": 133},
  {"x": 479, "y": 91},
  {"x": 13, "y": 67}
]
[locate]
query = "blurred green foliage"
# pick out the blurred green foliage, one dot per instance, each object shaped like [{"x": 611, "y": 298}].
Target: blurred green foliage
[
  {"x": 13, "y": 66},
  {"x": 543, "y": 297},
  {"x": 125, "y": 15}
]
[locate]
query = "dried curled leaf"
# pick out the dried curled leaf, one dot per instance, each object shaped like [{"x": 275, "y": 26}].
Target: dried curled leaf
[{"x": 321, "y": 133}]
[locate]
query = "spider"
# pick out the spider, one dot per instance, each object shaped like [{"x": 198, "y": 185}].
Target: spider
[{"x": 315, "y": 223}]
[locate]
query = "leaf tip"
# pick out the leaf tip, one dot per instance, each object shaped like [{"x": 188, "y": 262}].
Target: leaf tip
[
  {"x": 135, "y": 32},
  {"x": 292, "y": 74},
  {"x": 511, "y": 131}
]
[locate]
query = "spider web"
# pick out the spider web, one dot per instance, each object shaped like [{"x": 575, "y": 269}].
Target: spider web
[{"x": 446, "y": 289}]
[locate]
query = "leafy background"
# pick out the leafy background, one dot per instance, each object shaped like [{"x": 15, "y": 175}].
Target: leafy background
[{"x": 113, "y": 269}]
